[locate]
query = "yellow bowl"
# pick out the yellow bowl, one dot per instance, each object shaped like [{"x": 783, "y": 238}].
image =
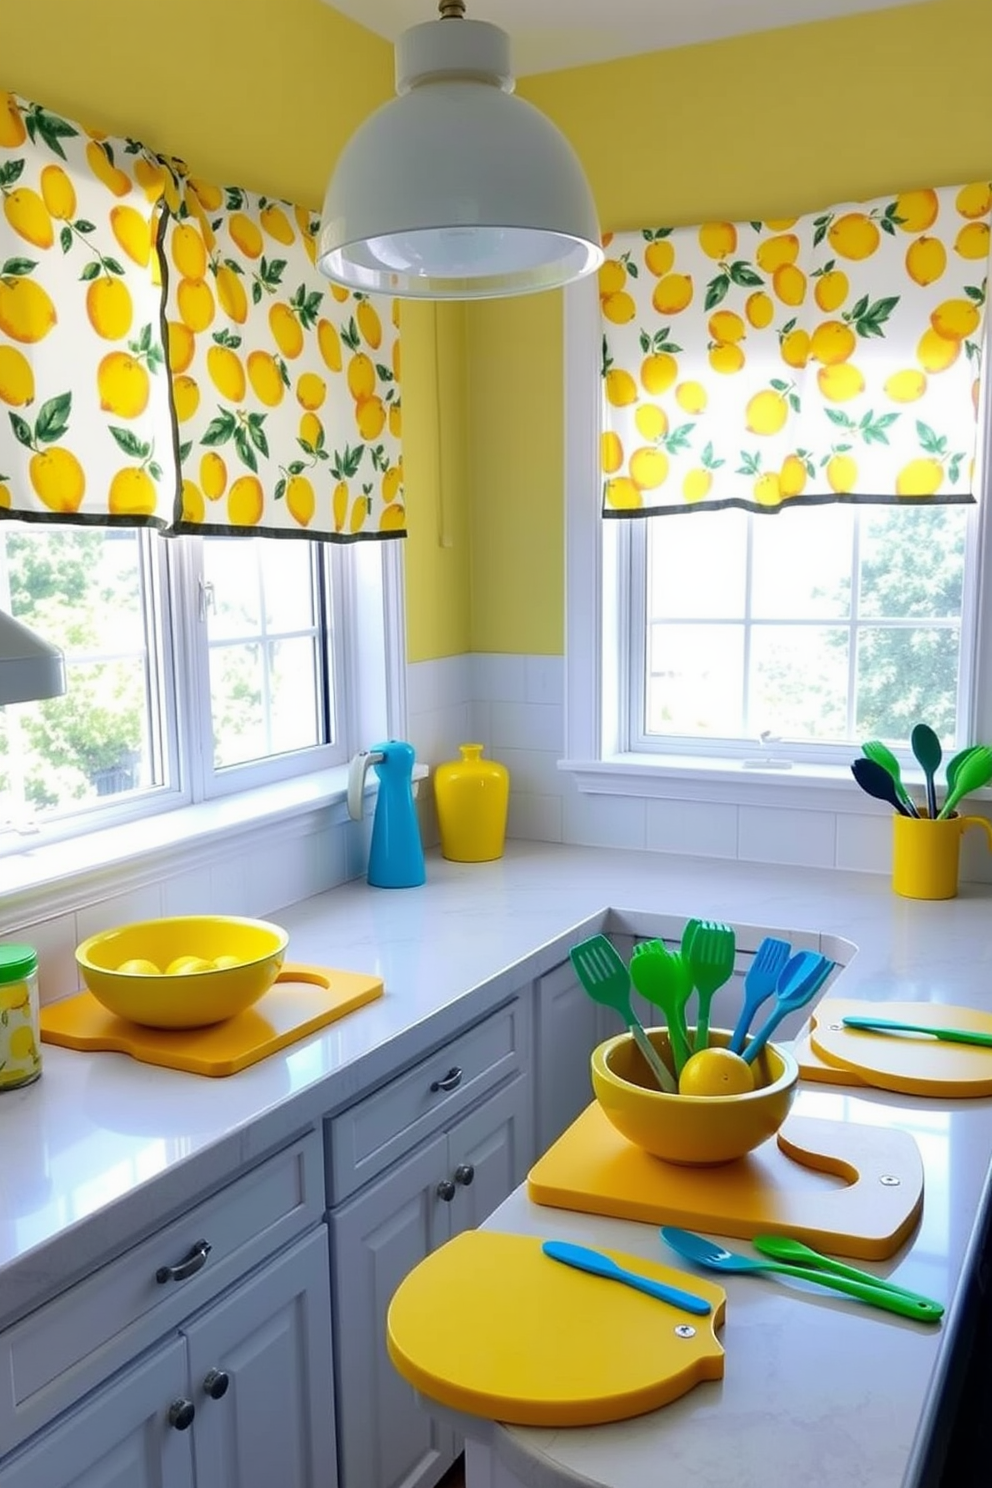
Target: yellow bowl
[
  {"x": 692, "y": 1130},
  {"x": 190, "y": 999}
]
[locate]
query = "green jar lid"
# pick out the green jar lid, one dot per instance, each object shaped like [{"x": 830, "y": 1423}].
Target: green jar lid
[{"x": 17, "y": 961}]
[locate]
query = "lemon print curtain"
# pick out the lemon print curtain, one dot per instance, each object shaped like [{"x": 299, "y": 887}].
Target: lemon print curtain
[
  {"x": 831, "y": 357},
  {"x": 286, "y": 387},
  {"x": 169, "y": 355},
  {"x": 88, "y": 431}
]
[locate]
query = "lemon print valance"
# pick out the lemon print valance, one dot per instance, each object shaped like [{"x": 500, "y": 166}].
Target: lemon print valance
[
  {"x": 830, "y": 357},
  {"x": 170, "y": 357}
]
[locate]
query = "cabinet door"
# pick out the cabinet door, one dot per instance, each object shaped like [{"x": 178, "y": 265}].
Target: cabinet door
[
  {"x": 489, "y": 1153},
  {"x": 120, "y": 1437},
  {"x": 385, "y": 1438},
  {"x": 273, "y": 1420},
  {"x": 569, "y": 1025}
]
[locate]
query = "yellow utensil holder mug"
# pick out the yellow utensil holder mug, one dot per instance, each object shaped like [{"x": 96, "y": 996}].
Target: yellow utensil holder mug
[{"x": 925, "y": 854}]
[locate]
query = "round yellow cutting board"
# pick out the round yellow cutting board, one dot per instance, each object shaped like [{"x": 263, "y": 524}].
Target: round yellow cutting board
[
  {"x": 914, "y": 1064},
  {"x": 491, "y": 1326}
]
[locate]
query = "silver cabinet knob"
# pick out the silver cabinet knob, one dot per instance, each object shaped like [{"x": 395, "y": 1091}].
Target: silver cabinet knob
[
  {"x": 181, "y": 1413},
  {"x": 215, "y": 1382}
]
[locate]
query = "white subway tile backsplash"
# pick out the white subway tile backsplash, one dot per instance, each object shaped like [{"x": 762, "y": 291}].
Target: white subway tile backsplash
[
  {"x": 532, "y": 771},
  {"x": 768, "y": 835},
  {"x": 526, "y": 726},
  {"x": 545, "y": 680},
  {"x": 604, "y": 821},
  {"x": 500, "y": 678},
  {"x": 535, "y": 818},
  {"x": 864, "y": 843},
  {"x": 703, "y": 828}
]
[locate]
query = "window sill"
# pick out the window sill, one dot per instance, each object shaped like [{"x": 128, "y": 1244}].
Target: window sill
[
  {"x": 734, "y": 782},
  {"x": 55, "y": 870}
]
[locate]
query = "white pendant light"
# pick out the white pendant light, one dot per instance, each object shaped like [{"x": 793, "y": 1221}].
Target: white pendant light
[
  {"x": 30, "y": 667},
  {"x": 456, "y": 189}
]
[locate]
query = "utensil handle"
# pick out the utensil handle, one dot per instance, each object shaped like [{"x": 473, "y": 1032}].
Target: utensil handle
[
  {"x": 654, "y": 1059},
  {"x": 585, "y": 1259},
  {"x": 947, "y": 1035},
  {"x": 838, "y": 1268},
  {"x": 702, "y": 1039},
  {"x": 764, "y": 1033},
  {"x": 920, "y": 1309},
  {"x": 751, "y": 1006}
]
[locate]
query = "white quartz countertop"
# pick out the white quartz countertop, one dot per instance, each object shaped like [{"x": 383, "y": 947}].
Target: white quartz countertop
[{"x": 103, "y": 1149}]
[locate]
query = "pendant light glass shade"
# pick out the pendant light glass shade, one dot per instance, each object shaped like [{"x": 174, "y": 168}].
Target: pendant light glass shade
[
  {"x": 456, "y": 189},
  {"x": 30, "y": 667}
]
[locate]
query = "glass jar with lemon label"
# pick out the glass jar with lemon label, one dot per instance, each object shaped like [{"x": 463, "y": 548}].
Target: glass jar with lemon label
[{"x": 20, "y": 1051}]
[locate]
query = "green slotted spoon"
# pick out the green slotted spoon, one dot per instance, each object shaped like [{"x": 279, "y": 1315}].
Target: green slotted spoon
[
  {"x": 882, "y": 755},
  {"x": 663, "y": 980}
]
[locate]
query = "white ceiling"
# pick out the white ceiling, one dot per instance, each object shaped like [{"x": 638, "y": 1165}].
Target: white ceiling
[{"x": 550, "y": 34}]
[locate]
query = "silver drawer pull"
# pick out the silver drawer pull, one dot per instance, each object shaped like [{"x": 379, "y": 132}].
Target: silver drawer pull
[
  {"x": 181, "y": 1413},
  {"x": 451, "y": 1081},
  {"x": 187, "y": 1267}
]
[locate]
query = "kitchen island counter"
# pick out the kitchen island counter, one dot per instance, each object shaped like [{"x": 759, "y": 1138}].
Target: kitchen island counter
[{"x": 103, "y": 1150}]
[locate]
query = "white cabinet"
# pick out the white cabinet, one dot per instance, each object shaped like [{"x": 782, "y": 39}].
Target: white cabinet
[
  {"x": 448, "y": 1183},
  {"x": 200, "y": 1358},
  {"x": 569, "y": 1026},
  {"x": 120, "y": 1438},
  {"x": 260, "y": 1380}
]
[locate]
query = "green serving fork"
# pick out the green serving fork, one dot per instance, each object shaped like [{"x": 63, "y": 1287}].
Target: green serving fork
[
  {"x": 601, "y": 971},
  {"x": 784, "y": 1248},
  {"x": 946, "y": 1035},
  {"x": 882, "y": 755},
  {"x": 710, "y": 958}
]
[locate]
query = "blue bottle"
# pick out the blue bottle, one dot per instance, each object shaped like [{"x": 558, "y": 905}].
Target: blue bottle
[{"x": 396, "y": 857}]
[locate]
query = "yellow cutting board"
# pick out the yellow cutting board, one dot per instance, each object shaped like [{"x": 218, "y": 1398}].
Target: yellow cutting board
[
  {"x": 868, "y": 1213},
  {"x": 301, "y": 1000},
  {"x": 491, "y": 1326},
  {"x": 913, "y": 1064}
]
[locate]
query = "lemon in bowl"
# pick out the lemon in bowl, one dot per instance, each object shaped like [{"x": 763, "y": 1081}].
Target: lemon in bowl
[
  {"x": 697, "y": 1130},
  {"x": 184, "y": 971}
]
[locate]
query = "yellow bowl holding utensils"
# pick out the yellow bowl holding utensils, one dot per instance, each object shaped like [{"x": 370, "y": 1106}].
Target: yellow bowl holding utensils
[{"x": 686, "y": 1129}]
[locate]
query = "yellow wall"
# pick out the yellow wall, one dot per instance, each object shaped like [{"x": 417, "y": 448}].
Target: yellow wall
[{"x": 764, "y": 125}]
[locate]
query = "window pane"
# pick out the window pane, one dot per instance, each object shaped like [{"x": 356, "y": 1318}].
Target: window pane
[
  {"x": 696, "y": 680},
  {"x": 85, "y": 589},
  {"x": 799, "y": 682},
  {"x": 802, "y": 564},
  {"x": 912, "y": 562},
  {"x": 697, "y": 565},
  {"x": 904, "y": 675},
  {"x": 268, "y": 678}
]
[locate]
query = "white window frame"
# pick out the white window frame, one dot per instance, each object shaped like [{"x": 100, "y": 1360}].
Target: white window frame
[
  {"x": 372, "y": 705},
  {"x": 597, "y": 663}
]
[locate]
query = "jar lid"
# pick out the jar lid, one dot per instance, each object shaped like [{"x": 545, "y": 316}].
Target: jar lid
[{"x": 17, "y": 961}]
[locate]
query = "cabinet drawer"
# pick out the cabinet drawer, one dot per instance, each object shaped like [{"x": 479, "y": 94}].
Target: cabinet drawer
[
  {"x": 363, "y": 1141},
  {"x": 60, "y": 1351}
]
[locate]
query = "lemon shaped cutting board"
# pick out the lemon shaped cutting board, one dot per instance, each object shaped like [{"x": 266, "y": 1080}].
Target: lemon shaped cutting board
[
  {"x": 913, "y": 1064},
  {"x": 491, "y": 1326}
]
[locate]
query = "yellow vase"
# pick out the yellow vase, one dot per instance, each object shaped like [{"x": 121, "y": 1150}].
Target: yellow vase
[{"x": 472, "y": 795}]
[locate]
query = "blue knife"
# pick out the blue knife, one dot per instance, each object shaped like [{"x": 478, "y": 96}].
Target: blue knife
[{"x": 584, "y": 1259}]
